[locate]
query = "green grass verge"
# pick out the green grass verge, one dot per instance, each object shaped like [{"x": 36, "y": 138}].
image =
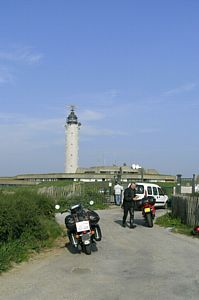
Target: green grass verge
[{"x": 175, "y": 224}]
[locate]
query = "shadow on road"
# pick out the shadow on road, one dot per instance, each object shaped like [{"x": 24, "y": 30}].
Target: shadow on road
[
  {"x": 119, "y": 222},
  {"x": 79, "y": 250},
  {"x": 136, "y": 222},
  {"x": 141, "y": 222}
]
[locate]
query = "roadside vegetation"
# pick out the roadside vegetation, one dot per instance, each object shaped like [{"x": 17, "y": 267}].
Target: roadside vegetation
[
  {"x": 174, "y": 224},
  {"x": 96, "y": 191},
  {"x": 99, "y": 202},
  {"x": 27, "y": 225}
]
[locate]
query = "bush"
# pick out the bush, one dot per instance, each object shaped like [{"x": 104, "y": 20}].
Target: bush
[
  {"x": 26, "y": 223},
  {"x": 18, "y": 213},
  {"x": 45, "y": 205}
]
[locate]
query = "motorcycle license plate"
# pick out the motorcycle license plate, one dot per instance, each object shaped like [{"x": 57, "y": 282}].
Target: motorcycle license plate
[
  {"x": 86, "y": 239},
  {"x": 82, "y": 226},
  {"x": 147, "y": 209}
]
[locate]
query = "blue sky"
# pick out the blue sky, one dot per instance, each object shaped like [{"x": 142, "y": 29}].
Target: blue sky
[{"x": 130, "y": 67}]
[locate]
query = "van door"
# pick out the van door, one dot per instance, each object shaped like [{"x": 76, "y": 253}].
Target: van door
[
  {"x": 162, "y": 198},
  {"x": 155, "y": 193},
  {"x": 149, "y": 191}
]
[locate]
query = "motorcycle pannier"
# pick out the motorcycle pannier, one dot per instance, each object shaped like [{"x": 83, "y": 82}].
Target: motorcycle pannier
[
  {"x": 70, "y": 223},
  {"x": 93, "y": 217}
]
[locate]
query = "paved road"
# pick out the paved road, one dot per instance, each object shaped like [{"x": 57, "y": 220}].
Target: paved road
[{"x": 140, "y": 263}]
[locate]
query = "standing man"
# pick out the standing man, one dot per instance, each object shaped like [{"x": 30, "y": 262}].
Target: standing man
[
  {"x": 118, "y": 189},
  {"x": 128, "y": 204}
]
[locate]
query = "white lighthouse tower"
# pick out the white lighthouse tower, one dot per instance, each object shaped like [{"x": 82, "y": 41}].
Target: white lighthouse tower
[{"x": 72, "y": 137}]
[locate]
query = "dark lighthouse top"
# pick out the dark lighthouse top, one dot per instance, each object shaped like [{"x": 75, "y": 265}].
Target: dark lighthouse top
[{"x": 72, "y": 118}]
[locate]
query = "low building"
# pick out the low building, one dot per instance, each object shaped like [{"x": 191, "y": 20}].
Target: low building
[{"x": 92, "y": 174}]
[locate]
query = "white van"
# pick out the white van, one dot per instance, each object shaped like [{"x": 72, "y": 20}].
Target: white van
[{"x": 144, "y": 189}]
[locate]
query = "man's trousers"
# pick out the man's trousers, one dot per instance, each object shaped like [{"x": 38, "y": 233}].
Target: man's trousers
[{"x": 128, "y": 207}]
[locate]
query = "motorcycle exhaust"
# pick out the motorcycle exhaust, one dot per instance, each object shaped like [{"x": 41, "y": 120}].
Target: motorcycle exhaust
[
  {"x": 97, "y": 235},
  {"x": 73, "y": 240}
]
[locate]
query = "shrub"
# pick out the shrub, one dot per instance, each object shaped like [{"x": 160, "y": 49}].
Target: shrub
[
  {"x": 18, "y": 213},
  {"x": 45, "y": 204},
  {"x": 26, "y": 223}
]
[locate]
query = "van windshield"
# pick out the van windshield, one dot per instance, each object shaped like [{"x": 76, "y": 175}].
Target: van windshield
[{"x": 161, "y": 193}]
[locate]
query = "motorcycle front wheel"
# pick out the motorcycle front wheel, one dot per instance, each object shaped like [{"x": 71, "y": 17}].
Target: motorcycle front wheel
[{"x": 149, "y": 220}]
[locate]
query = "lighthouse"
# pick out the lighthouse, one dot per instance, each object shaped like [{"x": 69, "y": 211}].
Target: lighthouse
[{"x": 72, "y": 127}]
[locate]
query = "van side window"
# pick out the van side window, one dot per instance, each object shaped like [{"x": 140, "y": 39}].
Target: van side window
[
  {"x": 161, "y": 193},
  {"x": 155, "y": 191},
  {"x": 139, "y": 189},
  {"x": 149, "y": 190}
]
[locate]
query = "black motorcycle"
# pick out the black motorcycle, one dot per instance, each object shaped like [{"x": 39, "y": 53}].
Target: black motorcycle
[{"x": 82, "y": 227}]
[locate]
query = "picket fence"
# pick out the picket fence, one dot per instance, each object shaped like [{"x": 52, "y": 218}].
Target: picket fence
[
  {"x": 74, "y": 189},
  {"x": 61, "y": 192}
]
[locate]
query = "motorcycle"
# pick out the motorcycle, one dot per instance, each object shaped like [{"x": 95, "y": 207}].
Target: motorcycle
[
  {"x": 147, "y": 205},
  {"x": 82, "y": 227},
  {"x": 195, "y": 231}
]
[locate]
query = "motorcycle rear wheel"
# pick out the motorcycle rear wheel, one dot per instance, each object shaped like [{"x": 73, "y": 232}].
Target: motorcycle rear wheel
[
  {"x": 149, "y": 220},
  {"x": 87, "y": 249}
]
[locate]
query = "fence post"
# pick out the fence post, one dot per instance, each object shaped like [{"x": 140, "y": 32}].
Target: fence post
[
  {"x": 193, "y": 184},
  {"x": 178, "y": 186}
]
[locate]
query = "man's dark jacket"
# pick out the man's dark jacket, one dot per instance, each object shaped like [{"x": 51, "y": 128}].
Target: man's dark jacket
[{"x": 129, "y": 194}]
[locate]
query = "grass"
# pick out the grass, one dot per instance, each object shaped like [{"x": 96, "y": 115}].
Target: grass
[{"x": 175, "y": 224}]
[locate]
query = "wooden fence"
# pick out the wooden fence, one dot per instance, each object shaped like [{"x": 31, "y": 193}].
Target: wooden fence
[
  {"x": 186, "y": 208},
  {"x": 62, "y": 192},
  {"x": 77, "y": 189}
]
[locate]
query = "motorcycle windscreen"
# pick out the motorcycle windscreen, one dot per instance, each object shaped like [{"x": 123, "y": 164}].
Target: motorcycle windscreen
[{"x": 82, "y": 226}]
